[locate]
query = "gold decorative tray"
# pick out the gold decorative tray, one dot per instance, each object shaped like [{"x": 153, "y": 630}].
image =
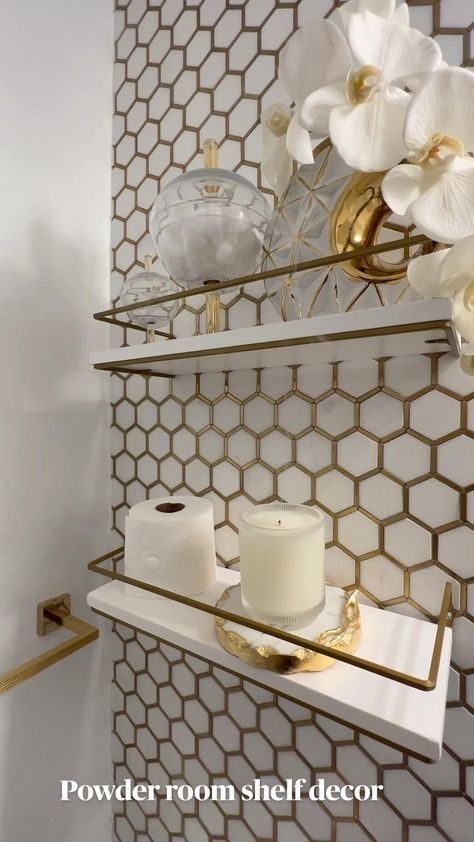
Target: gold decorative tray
[{"x": 338, "y": 626}]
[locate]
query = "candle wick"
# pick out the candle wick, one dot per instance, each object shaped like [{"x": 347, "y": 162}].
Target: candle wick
[{"x": 279, "y": 521}]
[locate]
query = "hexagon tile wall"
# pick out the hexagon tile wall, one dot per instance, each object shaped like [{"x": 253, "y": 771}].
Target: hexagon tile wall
[{"x": 385, "y": 448}]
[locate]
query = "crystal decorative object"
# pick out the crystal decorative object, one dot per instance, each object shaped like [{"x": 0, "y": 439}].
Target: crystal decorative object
[
  {"x": 142, "y": 287},
  {"x": 208, "y": 225},
  {"x": 328, "y": 208}
]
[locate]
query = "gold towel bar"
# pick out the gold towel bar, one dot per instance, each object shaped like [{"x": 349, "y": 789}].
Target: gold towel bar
[{"x": 52, "y": 613}]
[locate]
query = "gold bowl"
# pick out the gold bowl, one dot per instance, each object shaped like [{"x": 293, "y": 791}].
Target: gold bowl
[{"x": 266, "y": 652}]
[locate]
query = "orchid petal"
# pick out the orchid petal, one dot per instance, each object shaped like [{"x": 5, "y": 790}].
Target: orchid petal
[
  {"x": 401, "y": 15},
  {"x": 277, "y": 163},
  {"x": 369, "y": 136},
  {"x": 277, "y": 118},
  {"x": 401, "y": 186},
  {"x": 458, "y": 269},
  {"x": 315, "y": 110},
  {"x": 445, "y": 210},
  {"x": 444, "y": 105},
  {"x": 423, "y": 273},
  {"x": 383, "y": 8},
  {"x": 298, "y": 143},
  {"x": 315, "y": 55},
  {"x": 398, "y": 51},
  {"x": 463, "y": 318},
  {"x": 416, "y": 83}
]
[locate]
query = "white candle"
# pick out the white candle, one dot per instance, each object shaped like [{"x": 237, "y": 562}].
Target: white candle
[{"x": 282, "y": 564}]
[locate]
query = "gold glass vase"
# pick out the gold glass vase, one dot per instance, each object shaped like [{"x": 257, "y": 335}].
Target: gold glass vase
[{"x": 328, "y": 208}]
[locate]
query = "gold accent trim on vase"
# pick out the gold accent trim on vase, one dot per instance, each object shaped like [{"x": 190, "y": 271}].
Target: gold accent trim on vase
[{"x": 359, "y": 219}]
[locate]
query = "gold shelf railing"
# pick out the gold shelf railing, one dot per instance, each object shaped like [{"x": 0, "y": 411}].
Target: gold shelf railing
[
  {"x": 52, "y": 614},
  {"x": 125, "y": 366},
  {"x": 429, "y": 683},
  {"x": 110, "y": 316}
]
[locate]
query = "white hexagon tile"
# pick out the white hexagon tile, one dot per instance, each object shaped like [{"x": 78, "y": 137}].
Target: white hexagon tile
[{"x": 385, "y": 448}]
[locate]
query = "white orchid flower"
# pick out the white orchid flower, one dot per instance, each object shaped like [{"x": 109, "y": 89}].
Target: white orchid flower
[
  {"x": 447, "y": 272},
  {"x": 311, "y": 58},
  {"x": 284, "y": 141},
  {"x": 384, "y": 8},
  {"x": 436, "y": 189},
  {"x": 443, "y": 272},
  {"x": 364, "y": 111},
  {"x": 390, "y": 11},
  {"x": 314, "y": 56}
]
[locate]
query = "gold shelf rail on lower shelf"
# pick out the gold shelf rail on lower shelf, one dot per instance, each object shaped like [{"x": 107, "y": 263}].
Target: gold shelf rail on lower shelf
[{"x": 429, "y": 683}]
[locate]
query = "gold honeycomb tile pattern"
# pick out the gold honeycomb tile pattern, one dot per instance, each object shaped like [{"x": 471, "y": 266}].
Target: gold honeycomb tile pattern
[{"x": 385, "y": 448}]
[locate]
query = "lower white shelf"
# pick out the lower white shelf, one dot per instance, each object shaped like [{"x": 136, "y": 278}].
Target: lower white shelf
[{"x": 409, "y": 718}]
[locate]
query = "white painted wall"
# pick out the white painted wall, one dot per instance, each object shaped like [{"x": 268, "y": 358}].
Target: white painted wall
[{"x": 55, "y": 141}]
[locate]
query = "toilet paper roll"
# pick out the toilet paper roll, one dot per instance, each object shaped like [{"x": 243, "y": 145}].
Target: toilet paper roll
[{"x": 169, "y": 542}]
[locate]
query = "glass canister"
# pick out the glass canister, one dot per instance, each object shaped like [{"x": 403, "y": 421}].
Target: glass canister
[
  {"x": 208, "y": 225},
  {"x": 282, "y": 564},
  {"x": 144, "y": 286}
]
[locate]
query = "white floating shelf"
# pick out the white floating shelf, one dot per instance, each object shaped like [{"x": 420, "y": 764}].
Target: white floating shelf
[
  {"x": 399, "y": 330},
  {"x": 409, "y": 718}
]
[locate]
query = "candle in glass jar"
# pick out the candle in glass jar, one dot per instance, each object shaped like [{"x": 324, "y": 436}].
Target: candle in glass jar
[{"x": 282, "y": 564}]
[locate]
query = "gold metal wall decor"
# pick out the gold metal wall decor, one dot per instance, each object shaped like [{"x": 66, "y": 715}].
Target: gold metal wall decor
[{"x": 52, "y": 614}]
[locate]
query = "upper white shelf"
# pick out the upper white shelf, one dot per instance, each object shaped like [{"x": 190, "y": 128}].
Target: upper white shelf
[
  {"x": 399, "y": 330},
  {"x": 410, "y": 718}
]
